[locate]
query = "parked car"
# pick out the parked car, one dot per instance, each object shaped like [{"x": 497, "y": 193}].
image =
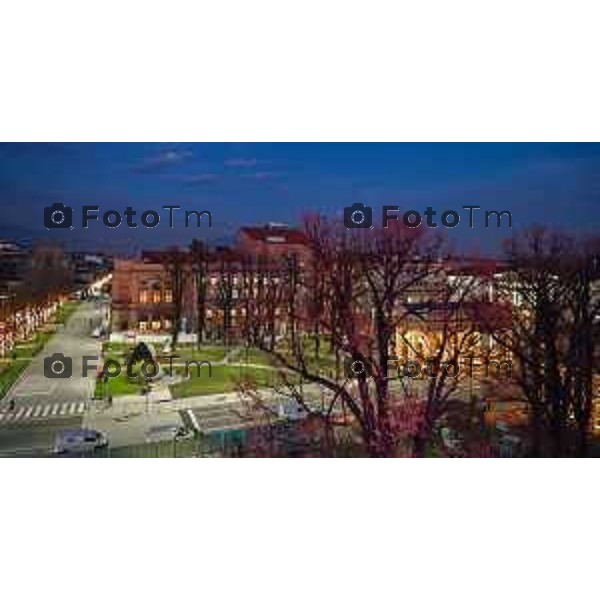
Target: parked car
[{"x": 79, "y": 441}]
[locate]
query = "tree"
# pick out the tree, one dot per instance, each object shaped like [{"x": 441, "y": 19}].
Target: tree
[
  {"x": 226, "y": 292},
  {"x": 175, "y": 263},
  {"x": 452, "y": 351},
  {"x": 368, "y": 277},
  {"x": 200, "y": 257},
  {"x": 548, "y": 288}
]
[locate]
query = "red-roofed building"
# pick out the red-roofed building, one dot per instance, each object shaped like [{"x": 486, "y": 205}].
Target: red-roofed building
[
  {"x": 273, "y": 239},
  {"x": 142, "y": 298}
]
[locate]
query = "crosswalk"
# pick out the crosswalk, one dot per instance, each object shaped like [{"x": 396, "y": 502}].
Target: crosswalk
[{"x": 41, "y": 411}]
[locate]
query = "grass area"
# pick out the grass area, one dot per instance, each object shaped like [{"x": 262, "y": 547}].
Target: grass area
[
  {"x": 20, "y": 358},
  {"x": 212, "y": 353},
  {"x": 9, "y": 373},
  {"x": 118, "y": 386},
  {"x": 116, "y": 348},
  {"x": 65, "y": 311},
  {"x": 122, "y": 385},
  {"x": 224, "y": 379}
]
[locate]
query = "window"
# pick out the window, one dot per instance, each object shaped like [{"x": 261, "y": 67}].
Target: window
[
  {"x": 143, "y": 296},
  {"x": 156, "y": 297},
  {"x": 143, "y": 325},
  {"x": 168, "y": 296},
  {"x": 155, "y": 325}
]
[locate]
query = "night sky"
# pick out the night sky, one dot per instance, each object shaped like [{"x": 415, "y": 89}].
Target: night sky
[{"x": 557, "y": 185}]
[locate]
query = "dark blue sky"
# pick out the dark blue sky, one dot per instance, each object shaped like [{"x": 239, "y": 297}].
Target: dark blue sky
[{"x": 557, "y": 185}]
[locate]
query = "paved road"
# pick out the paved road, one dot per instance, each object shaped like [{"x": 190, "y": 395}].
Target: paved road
[{"x": 35, "y": 395}]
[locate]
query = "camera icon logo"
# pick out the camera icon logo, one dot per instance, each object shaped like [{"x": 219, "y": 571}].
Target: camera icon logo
[
  {"x": 358, "y": 366},
  {"x": 358, "y": 216},
  {"x": 58, "y": 216},
  {"x": 58, "y": 366}
]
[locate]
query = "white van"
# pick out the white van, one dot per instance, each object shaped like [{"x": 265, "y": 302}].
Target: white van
[{"x": 79, "y": 441}]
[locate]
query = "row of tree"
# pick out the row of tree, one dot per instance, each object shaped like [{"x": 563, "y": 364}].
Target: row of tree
[{"x": 356, "y": 297}]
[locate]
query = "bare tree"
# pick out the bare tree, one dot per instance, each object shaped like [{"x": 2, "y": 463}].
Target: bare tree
[
  {"x": 367, "y": 280},
  {"x": 549, "y": 287},
  {"x": 200, "y": 258},
  {"x": 175, "y": 263}
]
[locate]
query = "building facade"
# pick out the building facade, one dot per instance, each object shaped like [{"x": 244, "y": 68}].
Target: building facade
[{"x": 145, "y": 303}]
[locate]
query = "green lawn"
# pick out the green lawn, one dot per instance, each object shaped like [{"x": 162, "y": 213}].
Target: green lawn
[
  {"x": 212, "y": 353},
  {"x": 32, "y": 346},
  {"x": 224, "y": 379},
  {"x": 9, "y": 373},
  {"x": 122, "y": 385},
  {"x": 65, "y": 311},
  {"x": 118, "y": 386},
  {"x": 24, "y": 351},
  {"x": 116, "y": 348}
]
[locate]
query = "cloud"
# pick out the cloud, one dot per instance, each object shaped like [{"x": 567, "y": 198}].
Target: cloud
[
  {"x": 197, "y": 179},
  {"x": 162, "y": 160},
  {"x": 264, "y": 175},
  {"x": 241, "y": 162}
]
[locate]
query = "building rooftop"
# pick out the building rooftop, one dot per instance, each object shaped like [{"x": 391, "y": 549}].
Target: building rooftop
[{"x": 275, "y": 233}]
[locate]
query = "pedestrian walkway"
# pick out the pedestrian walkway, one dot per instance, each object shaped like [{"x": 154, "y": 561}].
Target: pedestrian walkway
[{"x": 41, "y": 412}]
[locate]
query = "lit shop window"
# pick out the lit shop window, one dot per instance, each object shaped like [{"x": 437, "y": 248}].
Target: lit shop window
[
  {"x": 168, "y": 296},
  {"x": 143, "y": 325},
  {"x": 155, "y": 325},
  {"x": 168, "y": 324},
  {"x": 144, "y": 296}
]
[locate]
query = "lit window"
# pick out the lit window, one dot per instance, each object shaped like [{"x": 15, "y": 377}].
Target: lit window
[
  {"x": 144, "y": 296},
  {"x": 156, "y": 297},
  {"x": 167, "y": 324},
  {"x": 155, "y": 325},
  {"x": 168, "y": 296},
  {"x": 143, "y": 325}
]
